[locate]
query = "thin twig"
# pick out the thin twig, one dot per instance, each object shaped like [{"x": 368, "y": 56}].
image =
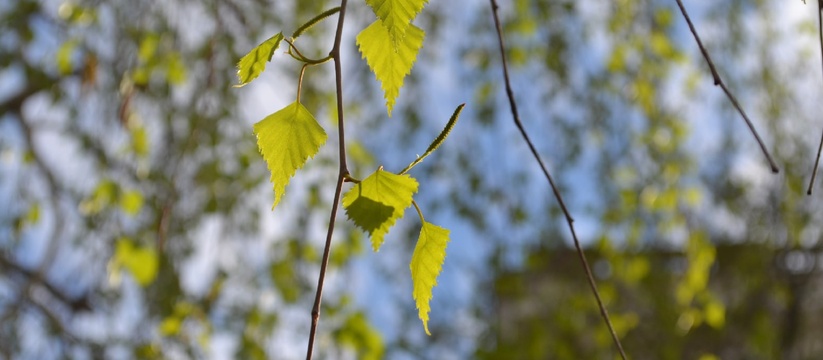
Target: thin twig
[
  {"x": 344, "y": 172},
  {"x": 819, "y": 147},
  {"x": 719, "y": 82},
  {"x": 300, "y": 81},
  {"x": 569, "y": 219},
  {"x": 297, "y": 55}
]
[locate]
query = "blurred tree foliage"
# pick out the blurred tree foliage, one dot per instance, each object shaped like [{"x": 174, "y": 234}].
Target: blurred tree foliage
[{"x": 127, "y": 158}]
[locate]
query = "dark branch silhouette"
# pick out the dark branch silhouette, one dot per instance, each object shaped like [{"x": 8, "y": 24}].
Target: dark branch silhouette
[
  {"x": 344, "y": 172},
  {"x": 819, "y": 147},
  {"x": 569, "y": 219},
  {"x": 719, "y": 82}
]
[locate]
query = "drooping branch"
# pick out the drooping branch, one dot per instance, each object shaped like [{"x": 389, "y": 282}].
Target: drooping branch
[
  {"x": 819, "y": 147},
  {"x": 343, "y": 173},
  {"x": 547, "y": 175},
  {"x": 719, "y": 82}
]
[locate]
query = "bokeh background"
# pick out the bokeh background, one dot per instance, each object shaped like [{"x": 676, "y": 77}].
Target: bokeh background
[{"x": 135, "y": 210}]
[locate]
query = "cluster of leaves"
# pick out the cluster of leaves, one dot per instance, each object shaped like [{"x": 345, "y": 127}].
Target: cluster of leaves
[{"x": 292, "y": 135}]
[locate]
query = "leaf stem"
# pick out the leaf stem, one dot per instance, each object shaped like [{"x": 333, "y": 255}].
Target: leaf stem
[
  {"x": 300, "y": 81},
  {"x": 819, "y": 147},
  {"x": 419, "y": 213},
  {"x": 547, "y": 175},
  {"x": 297, "y": 55},
  {"x": 719, "y": 82},
  {"x": 344, "y": 171}
]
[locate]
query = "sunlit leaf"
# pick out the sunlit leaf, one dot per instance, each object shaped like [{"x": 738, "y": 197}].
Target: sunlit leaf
[
  {"x": 102, "y": 196},
  {"x": 390, "y": 63},
  {"x": 139, "y": 138},
  {"x": 33, "y": 214},
  {"x": 170, "y": 326},
  {"x": 358, "y": 334},
  {"x": 377, "y": 202},
  {"x": 284, "y": 278},
  {"x": 141, "y": 262},
  {"x": 131, "y": 202},
  {"x": 715, "y": 313},
  {"x": 175, "y": 69},
  {"x": 75, "y": 14},
  {"x": 396, "y": 15},
  {"x": 148, "y": 47},
  {"x": 64, "y": 56},
  {"x": 253, "y": 63},
  {"x": 426, "y": 263},
  {"x": 287, "y": 139}
]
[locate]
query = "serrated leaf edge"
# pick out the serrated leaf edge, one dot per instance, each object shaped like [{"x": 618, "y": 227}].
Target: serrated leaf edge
[{"x": 422, "y": 296}]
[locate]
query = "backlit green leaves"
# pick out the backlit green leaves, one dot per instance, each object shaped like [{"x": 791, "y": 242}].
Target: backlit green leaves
[
  {"x": 290, "y": 136},
  {"x": 390, "y": 63},
  {"x": 377, "y": 202},
  {"x": 287, "y": 139},
  {"x": 396, "y": 15},
  {"x": 390, "y": 44},
  {"x": 426, "y": 263},
  {"x": 253, "y": 64}
]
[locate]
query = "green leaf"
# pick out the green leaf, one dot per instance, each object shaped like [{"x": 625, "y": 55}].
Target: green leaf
[
  {"x": 64, "y": 56},
  {"x": 390, "y": 62},
  {"x": 141, "y": 262},
  {"x": 175, "y": 69},
  {"x": 251, "y": 65},
  {"x": 377, "y": 202},
  {"x": 359, "y": 335},
  {"x": 396, "y": 15},
  {"x": 287, "y": 139},
  {"x": 148, "y": 47},
  {"x": 104, "y": 195},
  {"x": 33, "y": 214},
  {"x": 131, "y": 202},
  {"x": 139, "y": 139},
  {"x": 426, "y": 263},
  {"x": 438, "y": 140},
  {"x": 170, "y": 326}
]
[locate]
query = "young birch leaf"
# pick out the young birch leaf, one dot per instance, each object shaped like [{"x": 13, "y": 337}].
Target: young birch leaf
[
  {"x": 377, "y": 202},
  {"x": 396, "y": 15},
  {"x": 287, "y": 139},
  {"x": 253, "y": 63},
  {"x": 390, "y": 64},
  {"x": 426, "y": 263}
]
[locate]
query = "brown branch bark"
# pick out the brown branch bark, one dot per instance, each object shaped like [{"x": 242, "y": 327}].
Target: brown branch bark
[
  {"x": 719, "y": 82},
  {"x": 344, "y": 171}
]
